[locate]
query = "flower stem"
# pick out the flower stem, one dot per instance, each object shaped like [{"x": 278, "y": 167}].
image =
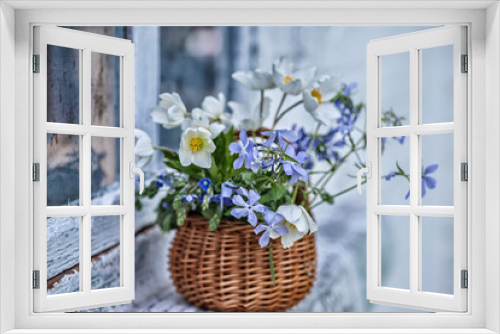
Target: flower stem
[
  {"x": 271, "y": 264},
  {"x": 311, "y": 144},
  {"x": 295, "y": 192},
  {"x": 325, "y": 182},
  {"x": 261, "y": 105},
  {"x": 339, "y": 193},
  {"x": 278, "y": 111},
  {"x": 287, "y": 110}
]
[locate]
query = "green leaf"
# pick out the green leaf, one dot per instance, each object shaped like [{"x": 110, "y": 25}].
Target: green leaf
[
  {"x": 214, "y": 221},
  {"x": 277, "y": 190},
  {"x": 167, "y": 222},
  {"x": 399, "y": 168},
  {"x": 181, "y": 216},
  {"x": 267, "y": 197},
  {"x": 327, "y": 197}
]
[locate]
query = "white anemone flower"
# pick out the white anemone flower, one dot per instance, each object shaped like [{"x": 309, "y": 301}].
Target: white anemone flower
[
  {"x": 215, "y": 108},
  {"x": 314, "y": 96},
  {"x": 290, "y": 82},
  {"x": 196, "y": 148},
  {"x": 298, "y": 223},
  {"x": 170, "y": 111},
  {"x": 248, "y": 116},
  {"x": 200, "y": 119},
  {"x": 143, "y": 148},
  {"x": 255, "y": 80}
]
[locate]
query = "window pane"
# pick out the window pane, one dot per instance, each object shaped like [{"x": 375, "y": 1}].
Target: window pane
[
  {"x": 63, "y": 255},
  {"x": 395, "y": 89},
  {"x": 437, "y": 254},
  {"x": 437, "y": 84},
  {"x": 395, "y": 170},
  {"x": 105, "y": 89},
  {"x": 105, "y": 252},
  {"x": 395, "y": 243},
  {"x": 437, "y": 170},
  {"x": 63, "y": 170},
  {"x": 105, "y": 171},
  {"x": 63, "y": 85}
]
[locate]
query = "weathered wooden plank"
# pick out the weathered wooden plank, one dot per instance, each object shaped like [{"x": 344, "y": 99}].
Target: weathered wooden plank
[{"x": 63, "y": 232}]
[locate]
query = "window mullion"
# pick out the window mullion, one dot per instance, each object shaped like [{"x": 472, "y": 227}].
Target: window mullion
[
  {"x": 414, "y": 170},
  {"x": 86, "y": 165}
]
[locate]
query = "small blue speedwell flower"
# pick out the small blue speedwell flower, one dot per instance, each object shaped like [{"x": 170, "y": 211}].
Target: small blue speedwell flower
[
  {"x": 271, "y": 228},
  {"x": 204, "y": 183},
  {"x": 248, "y": 209},
  {"x": 189, "y": 198}
]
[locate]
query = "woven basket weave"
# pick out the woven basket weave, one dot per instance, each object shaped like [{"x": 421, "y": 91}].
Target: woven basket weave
[{"x": 226, "y": 270}]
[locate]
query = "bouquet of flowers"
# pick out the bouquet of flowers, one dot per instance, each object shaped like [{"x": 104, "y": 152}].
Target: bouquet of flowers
[{"x": 228, "y": 166}]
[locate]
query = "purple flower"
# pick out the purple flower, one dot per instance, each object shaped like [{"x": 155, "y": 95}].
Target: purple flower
[
  {"x": 270, "y": 228},
  {"x": 223, "y": 200},
  {"x": 295, "y": 169},
  {"x": 228, "y": 189},
  {"x": 390, "y": 176},
  {"x": 204, "y": 184},
  {"x": 285, "y": 137},
  {"x": 347, "y": 89},
  {"x": 428, "y": 180},
  {"x": 244, "y": 149},
  {"x": 165, "y": 205},
  {"x": 247, "y": 209}
]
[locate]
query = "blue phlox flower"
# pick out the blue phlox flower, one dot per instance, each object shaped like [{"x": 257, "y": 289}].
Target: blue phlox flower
[
  {"x": 247, "y": 209},
  {"x": 428, "y": 181},
  {"x": 228, "y": 189},
  {"x": 284, "y": 137},
  {"x": 390, "y": 176},
  {"x": 271, "y": 228},
  {"x": 245, "y": 150},
  {"x": 165, "y": 205},
  {"x": 159, "y": 183},
  {"x": 223, "y": 200},
  {"x": 295, "y": 169},
  {"x": 204, "y": 184},
  {"x": 347, "y": 89}
]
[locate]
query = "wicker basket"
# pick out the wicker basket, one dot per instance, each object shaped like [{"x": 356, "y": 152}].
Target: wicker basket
[{"x": 227, "y": 271}]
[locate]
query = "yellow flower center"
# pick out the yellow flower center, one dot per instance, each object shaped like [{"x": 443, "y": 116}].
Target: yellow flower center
[
  {"x": 315, "y": 93},
  {"x": 288, "y": 79},
  {"x": 291, "y": 226},
  {"x": 196, "y": 144}
]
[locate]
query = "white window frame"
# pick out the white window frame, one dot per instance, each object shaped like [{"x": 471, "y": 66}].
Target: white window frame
[
  {"x": 483, "y": 212},
  {"x": 413, "y": 44},
  {"x": 85, "y": 43}
]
